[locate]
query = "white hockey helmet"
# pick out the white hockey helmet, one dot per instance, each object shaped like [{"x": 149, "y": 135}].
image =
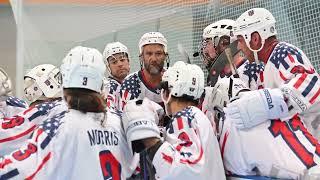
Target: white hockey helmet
[
  {"x": 184, "y": 80},
  {"x": 42, "y": 82},
  {"x": 5, "y": 83},
  {"x": 153, "y": 38},
  {"x": 255, "y": 20},
  {"x": 112, "y": 49},
  {"x": 218, "y": 29},
  {"x": 83, "y": 67}
]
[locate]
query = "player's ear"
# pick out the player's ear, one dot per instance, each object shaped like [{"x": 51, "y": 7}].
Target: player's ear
[{"x": 255, "y": 41}]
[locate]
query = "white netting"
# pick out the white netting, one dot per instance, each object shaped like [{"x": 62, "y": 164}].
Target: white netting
[{"x": 48, "y": 29}]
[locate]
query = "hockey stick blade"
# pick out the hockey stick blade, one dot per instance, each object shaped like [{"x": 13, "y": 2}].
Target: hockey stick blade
[{"x": 184, "y": 53}]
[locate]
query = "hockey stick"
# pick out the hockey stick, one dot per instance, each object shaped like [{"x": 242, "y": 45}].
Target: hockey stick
[
  {"x": 225, "y": 58},
  {"x": 184, "y": 53}
]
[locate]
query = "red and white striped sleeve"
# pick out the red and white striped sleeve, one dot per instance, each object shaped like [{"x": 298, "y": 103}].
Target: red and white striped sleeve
[
  {"x": 14, "y": 131},
  {"x": 301, "y": 82},
  {"x": 32, "y": 159},
  {"x": 182, "y": 154}
]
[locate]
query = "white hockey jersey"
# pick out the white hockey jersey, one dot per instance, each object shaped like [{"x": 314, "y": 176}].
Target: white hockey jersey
[
  {"x": 72, "y": 145},
  {"x": 190, "y": 149},
  {"x": 135, "y": 86},
  {"x": 14, "y": 131},
  {"x": 289, "y": 69},
  {"x": 272, "y": 149},
  {"x": 251, "y": 74},
  {"x": 113, "y": 97},
  {"x": 11, "y": 106}
]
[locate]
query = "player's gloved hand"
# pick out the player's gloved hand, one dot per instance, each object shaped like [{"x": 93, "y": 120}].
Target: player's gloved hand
[
  {"x": 140, "y": 119},
  {"x": 255, "y": 107},
  {"x": 214, "y": 97}
]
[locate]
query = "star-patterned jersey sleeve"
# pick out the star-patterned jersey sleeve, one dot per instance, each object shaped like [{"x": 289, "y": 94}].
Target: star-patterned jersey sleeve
[
  {"x": 32, "y": 158},
  {"x": 65, "y": 145},
  {"x": 113, "y": 97},
  {"x": 13, "y": 101},
  {"x": 15, "y": 130},
  {"x": 289, "y": 69},
  {"x": 190, "y": 149},
  {"x": 252, "y": 74},
  {"x": 12, "y": 106},
  {"x": 136, "y": 86},
  {"x": 130, "y": 88},
  {"x": 274, "y": 148}
]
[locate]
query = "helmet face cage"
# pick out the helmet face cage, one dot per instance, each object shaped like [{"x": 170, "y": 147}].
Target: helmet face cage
[
  {"x": 58, "y": 77},
  {"x": 6, "y": 86},
  {"x": 217, "y": 33},
  {"x": 204, "y": 56},
  {"x": 32, "y": 92},
  {"x": 219, "y": 44},
  {"x": 42, "y": 86}
]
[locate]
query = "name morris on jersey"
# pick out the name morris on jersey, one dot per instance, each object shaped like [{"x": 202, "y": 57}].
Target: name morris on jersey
[{"x": 98, "y": 137}]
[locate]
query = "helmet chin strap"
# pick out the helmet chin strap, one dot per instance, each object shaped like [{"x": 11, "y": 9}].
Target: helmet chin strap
[
  {"x": 167, "y": 60},
  {"x": 165, "y": 101},
  {"x": 255, "y": 52},
  {"x": 108, "y": 67},
  {"x": 109, "y": 72}
]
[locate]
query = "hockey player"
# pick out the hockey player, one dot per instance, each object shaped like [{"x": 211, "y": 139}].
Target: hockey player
[
  {"x": 273, "y": 149},
  {"x": 153, "y": 53},
  {"x": 216, "y": 38},
  {"x": 214, "y": 95},
  {"x": 41, "y": 83},
  {"x": 190, "y": 149},
  {"x": 145, "y": 82},
  {"x": 287, "y": 70},
  {"x": 9, "y": 105},
  {"x": 116, "y": 57},
  {"x": 83, "y": 143},
  {"x": 43, "y": 90}
]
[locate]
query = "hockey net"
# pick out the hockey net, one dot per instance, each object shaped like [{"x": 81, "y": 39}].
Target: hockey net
[{"x": 47, "y": 29}]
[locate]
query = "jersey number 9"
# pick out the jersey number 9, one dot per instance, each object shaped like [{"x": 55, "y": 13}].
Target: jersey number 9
[{"x": 111, "y": 168}]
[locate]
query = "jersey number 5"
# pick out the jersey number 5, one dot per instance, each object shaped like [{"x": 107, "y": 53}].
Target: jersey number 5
[{"x": 111, "y": 168}]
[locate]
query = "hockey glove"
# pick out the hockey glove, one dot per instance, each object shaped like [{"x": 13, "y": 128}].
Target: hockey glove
[
  {"x": 140, "y": 119},
  {"x": 256, "y": 107}
]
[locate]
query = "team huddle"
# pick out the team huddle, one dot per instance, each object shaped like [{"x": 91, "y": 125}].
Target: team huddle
[{"x": 256, "y": 117}]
